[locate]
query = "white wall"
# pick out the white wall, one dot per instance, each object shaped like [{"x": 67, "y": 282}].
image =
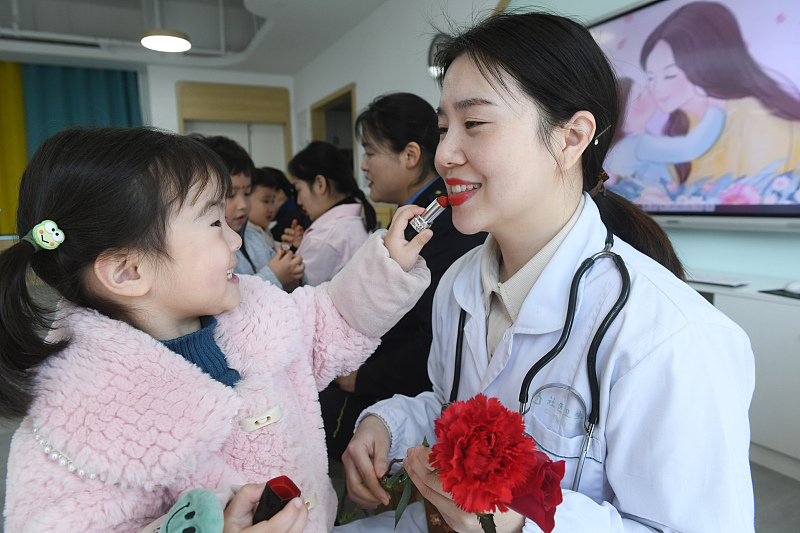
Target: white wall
[
  {"x": 159, "y": 98},
  {"x": 387, "y": 52}
]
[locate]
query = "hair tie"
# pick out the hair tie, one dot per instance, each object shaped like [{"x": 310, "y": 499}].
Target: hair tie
[
  {"x": 45, "y": 236},
  {"x": 597, "y": 137},
  {"x": 600, "y": 187}
]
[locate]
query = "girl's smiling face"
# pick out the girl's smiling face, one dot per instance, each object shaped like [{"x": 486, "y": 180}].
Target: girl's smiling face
[
  {"x": 197, "y": 278},
  {"x": 500, "y": 174}
]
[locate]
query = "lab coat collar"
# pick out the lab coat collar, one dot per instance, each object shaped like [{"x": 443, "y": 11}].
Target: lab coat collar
[{"x": 545, "y": 307}]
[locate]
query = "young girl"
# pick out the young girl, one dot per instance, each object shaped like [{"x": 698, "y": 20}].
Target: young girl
[
  {"x": 328, "y": 192},
  {"x": 526, "y": 116},
  {"x": 164, "y": 371}
]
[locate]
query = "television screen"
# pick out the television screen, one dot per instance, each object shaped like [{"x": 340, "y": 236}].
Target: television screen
[{"x": 710, "y": 105}]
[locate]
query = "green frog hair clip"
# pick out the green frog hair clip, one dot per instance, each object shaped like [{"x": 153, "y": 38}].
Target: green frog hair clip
[{"x": 45, "y": 235}]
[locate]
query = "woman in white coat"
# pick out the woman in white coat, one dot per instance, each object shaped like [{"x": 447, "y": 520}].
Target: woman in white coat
[{"x": 527, "y": 112}]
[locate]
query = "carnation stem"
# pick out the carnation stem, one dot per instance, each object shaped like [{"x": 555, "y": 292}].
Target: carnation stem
[{"x": 487, "y": 522}]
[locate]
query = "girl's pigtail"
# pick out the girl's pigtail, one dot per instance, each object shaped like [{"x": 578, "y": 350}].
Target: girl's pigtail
[{"x": 23, "y": 326}]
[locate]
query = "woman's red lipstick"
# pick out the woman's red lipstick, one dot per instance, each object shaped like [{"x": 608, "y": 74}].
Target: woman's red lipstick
[{"x": 457, "y": 199}]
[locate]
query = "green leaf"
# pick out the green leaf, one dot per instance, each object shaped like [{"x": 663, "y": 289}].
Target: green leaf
[
  {"x": 403, "y": 503},
  {"x": 487, "y": 522},
  {"x": 425, "y": 442}
]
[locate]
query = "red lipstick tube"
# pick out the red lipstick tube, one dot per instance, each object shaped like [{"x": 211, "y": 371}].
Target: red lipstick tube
[{"x": 420, "y": 223}]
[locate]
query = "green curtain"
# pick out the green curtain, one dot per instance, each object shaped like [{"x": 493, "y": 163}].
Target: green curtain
[{"x": 61, "y": 97}]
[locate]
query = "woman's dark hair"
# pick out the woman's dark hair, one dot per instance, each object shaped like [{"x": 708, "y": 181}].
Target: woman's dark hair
[
  {"x": 232, "y": 153},
  {"x": 108, "y": 190},
  {"x": 324, "y": 159},
  {"x": 708, "y": 46},
  {"x": 398, "y": 119},
  {"x": 557, "y": 63},
  {"x": 266, "y": 177}
]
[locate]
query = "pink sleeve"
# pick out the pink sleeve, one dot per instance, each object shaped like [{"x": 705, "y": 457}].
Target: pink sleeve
[
  {"x": 344, "y": 319},
  {"x": 336, "y": 348}
]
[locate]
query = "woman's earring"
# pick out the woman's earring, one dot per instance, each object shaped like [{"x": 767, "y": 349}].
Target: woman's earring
[{"x": 597, "y": 137}]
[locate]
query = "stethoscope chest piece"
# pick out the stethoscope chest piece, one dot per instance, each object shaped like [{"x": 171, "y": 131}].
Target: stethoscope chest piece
[{"x": 591, "y": 359}]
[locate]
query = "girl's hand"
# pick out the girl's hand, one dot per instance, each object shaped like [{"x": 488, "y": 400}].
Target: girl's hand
[
  {"x": 403, "y": 251},
  {"x": 239, "y": 514},
  {"x": 293, "y": 235},
  {"x": 427, "y": 481},
  {"x": 366, "y": 461},
  {"x": 347, "y": 383},
  {"x": 288, "y": 268}
]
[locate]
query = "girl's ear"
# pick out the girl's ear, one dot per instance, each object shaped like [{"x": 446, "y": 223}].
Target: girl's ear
[
  {"x": 123, "y": 274},
  {"x": 320, "y": 184},
  {"x": 577, "y": 134},
  {"x": 412, "y": 154}
]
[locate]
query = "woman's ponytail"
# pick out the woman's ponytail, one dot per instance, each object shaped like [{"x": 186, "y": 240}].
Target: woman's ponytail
[
  {"x": 370, "y": 217},
  {"x": 23, "y": 324},
  {"x": 633, "y": 225}
]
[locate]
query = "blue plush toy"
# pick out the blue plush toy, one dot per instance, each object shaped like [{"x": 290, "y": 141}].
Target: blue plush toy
[{"x": 197, "y": 511}]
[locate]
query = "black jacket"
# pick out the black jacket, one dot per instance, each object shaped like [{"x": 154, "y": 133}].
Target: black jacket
[{"x": 400, "y": 364}]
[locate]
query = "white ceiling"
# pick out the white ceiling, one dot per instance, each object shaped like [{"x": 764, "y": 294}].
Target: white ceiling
[{"x": 266, "y": 36}]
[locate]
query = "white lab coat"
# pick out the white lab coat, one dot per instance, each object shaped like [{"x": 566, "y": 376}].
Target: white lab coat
[{"x": 676, "y": 379}]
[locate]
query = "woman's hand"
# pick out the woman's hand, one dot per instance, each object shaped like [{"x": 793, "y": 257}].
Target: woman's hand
[
  {"x": 430, "y": 486},
  {"x": 239, "y": 514},
  {"x": 288, "y": 268},
  {"x": 403, "y": 251},
  {"x": 293, "y": 235},
  {"x": 365, "y": 463}
]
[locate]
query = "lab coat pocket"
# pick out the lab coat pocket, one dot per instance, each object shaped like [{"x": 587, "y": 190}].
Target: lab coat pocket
[{"x": 568, "y": 449}]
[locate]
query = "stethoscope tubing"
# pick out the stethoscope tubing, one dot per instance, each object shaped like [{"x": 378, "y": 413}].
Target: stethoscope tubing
[{"x": 591, "y": 358}]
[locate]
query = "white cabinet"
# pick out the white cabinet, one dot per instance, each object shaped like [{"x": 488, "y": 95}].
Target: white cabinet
[{"x": 773, "y": 324}]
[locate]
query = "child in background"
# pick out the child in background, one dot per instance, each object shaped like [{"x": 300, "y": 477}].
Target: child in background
[
  {"x": 287, "y": 211},
  {"x": 283, "y": 269},
  {"x": 328, "y": 192},
  {"x": 165, "y": 371},
  {"x": 262, "y": 200}
]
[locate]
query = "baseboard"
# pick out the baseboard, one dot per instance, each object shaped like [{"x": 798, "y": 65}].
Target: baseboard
[{"x": 780, "y": 463}]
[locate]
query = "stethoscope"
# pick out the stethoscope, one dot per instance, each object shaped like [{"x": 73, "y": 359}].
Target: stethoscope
[{"x": 591, "y": 359}]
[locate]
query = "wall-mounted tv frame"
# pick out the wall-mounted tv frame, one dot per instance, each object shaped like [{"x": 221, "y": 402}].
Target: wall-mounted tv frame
[{"x": 710, "y": 138}]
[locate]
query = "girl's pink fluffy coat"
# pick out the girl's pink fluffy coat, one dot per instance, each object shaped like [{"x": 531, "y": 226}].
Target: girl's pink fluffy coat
[{"x": 152, "y": 425}]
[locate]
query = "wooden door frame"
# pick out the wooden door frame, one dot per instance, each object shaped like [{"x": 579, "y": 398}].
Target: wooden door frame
[
  {"x": 319, "y": 108},
  {"x": 220, "y": 102}
]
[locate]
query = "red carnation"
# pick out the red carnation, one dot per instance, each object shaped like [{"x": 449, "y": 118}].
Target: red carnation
[
  {"x": 482, "y": 454},
  {"x": 487, "y": 462},
  {"x": 538, "y": 497}
]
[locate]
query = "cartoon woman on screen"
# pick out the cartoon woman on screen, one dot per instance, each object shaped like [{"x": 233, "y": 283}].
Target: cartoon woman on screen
[{"x": 698, "y": 54}]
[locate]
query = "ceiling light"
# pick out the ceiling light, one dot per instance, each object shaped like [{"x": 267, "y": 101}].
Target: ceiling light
[{"x": 166, "y": 40}]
